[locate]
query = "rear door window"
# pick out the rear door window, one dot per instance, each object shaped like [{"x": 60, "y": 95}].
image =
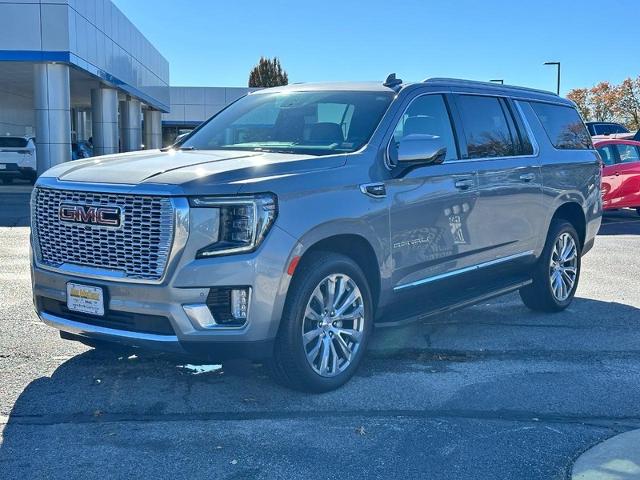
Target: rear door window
[
  {"x": 563, "y": 125},
  {"x": 486, "y": 128},
  {"x": 628, "y": 153}
]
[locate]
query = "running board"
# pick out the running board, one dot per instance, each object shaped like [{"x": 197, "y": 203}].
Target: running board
[{"x": 463, "y": 303}]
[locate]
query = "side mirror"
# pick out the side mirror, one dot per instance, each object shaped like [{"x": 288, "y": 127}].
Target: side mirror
[{"x": 421, "y": 149}]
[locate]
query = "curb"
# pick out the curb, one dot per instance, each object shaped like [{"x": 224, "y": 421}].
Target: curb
[{"x": 617, "y": 458}]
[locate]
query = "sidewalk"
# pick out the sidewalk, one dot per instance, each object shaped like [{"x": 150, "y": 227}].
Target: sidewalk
[{"x": 615, "y": 459}]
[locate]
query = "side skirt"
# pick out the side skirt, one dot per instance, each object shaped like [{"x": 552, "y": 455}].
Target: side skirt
[{"x": 457, "y": 305}]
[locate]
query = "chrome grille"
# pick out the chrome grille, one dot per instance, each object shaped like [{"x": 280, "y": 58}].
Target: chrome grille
[{"x": 139, "y": 248}]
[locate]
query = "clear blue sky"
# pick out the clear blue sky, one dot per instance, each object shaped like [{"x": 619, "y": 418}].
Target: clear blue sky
[{"x": 216, "y": 43}]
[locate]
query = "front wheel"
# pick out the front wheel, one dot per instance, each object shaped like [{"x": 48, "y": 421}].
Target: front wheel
[
  {"x": 326, "y": 324},
  {"x": 556, "y": 275}
]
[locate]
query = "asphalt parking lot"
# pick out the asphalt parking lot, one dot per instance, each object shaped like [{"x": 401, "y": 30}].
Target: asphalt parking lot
[{"x": 493, "y": 391}]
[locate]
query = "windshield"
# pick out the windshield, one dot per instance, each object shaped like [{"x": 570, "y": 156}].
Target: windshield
[
  {"x": 315, "y": 123},
  {"x": 609, "y": 129}
]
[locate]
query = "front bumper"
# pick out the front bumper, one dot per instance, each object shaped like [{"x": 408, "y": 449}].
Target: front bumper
[
  {"x": 13, "y": 170},
  {"x": 188, "y": 283}
]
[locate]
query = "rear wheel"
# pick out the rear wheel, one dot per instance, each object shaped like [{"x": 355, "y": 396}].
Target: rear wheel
[
  {"x": 555, "y": 277},
  {"x": 326, "y": 324}
]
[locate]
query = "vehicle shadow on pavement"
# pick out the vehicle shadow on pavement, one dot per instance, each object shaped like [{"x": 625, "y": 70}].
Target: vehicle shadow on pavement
[
  {"x": 620, "y": 222},
  {"x": 14, "y": 205},
  {"x": 111, "y": 391}
]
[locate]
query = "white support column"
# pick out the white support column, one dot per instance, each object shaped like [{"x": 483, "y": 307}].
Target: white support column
[
  {"x": 104, "y": 120},
  {"x": 131, "y": 125},
  {"x": 152, "y": 129},
  {"x": 52, "y": 106},
  {"x": 80, "y": 117}
]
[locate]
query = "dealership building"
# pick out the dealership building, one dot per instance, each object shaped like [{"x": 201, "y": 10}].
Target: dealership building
[{"x": 79, "y": 70}]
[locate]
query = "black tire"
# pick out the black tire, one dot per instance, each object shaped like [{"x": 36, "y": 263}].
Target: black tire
[
  {"x": 539, "y": 295},
  {"x": 638, "y": 210},
  {"x": 289, "y": 365}
]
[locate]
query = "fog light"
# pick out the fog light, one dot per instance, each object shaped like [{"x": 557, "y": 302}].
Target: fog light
[
  {"x": 229, "y": 305},
  {"x": 239, "y": 303}
]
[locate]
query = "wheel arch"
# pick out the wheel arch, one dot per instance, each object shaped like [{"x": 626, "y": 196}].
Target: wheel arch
[
  {"x": 356, "y": 247},
  {"x": 573, "y": 213}
]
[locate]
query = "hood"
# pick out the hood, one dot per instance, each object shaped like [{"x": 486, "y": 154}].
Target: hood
[{"x": 193, "y": 170}]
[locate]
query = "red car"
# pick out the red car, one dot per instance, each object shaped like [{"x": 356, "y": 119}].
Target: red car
[{"x": 620, "y": 174}]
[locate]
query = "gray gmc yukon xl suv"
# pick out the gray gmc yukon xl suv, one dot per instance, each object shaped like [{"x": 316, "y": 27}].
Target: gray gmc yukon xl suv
[{"x": 296, "y": 219}]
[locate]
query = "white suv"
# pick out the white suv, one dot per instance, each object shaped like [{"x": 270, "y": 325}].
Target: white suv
[{"x": 17, "y": 158}]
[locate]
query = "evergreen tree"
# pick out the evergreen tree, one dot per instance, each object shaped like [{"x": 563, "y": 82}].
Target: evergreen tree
[{"x": 268, "y": 73}]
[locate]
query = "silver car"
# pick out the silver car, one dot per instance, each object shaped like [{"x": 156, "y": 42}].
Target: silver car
[{"x": 294, "y": 221}]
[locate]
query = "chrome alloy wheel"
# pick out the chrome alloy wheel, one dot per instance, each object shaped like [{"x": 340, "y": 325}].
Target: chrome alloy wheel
[
  {"x": 563, "y": 269},
  {"x": 333, "y": 325}
]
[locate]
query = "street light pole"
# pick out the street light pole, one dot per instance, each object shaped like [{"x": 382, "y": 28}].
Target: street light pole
[{"x": 557, "y": 64}]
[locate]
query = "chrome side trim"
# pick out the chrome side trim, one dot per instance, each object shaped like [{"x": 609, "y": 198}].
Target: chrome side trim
[
  {"x": 454, "y": 273},
  {"x": 180, "y": 237},
  {"x": 79, "y": 328},
  {"x": 532, "y": 138}
]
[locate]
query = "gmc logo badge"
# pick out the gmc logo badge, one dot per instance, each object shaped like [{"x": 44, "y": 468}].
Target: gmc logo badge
[{"x": 89, "y": 215}]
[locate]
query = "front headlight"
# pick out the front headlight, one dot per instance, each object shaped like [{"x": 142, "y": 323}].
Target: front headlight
[{"x": 243, "y": 222}]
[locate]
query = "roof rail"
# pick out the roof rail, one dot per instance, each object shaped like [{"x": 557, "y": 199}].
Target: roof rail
[
  {"x": 393, "y": 82},
  {"x": 471, "y": 83}
]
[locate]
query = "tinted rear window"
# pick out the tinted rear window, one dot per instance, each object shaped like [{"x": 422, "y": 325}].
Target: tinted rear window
[
  {"x": 13, "y": 142},
  {"x": 563, "y": 126},
  {"x": 486, "y": 128}
]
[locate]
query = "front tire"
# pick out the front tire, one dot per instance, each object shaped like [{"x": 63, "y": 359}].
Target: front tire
[
  {"x": 556, "y": 275},
  {"x": 326, "y": 324}
]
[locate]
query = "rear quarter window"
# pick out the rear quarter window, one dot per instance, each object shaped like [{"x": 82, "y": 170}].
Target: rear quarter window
[{"x": 563, "y": 125}]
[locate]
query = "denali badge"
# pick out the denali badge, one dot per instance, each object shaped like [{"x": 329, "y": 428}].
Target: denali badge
[{"x": 89, "y": 215}]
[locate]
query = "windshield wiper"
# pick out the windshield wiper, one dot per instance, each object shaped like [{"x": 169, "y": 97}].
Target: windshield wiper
[{"x": 172, "y": 147}]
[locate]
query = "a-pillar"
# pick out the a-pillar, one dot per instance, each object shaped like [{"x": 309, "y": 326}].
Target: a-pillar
[
  {"x": 104, "y": 120},
  {"x": 152, "y": 129},
  {"x": 52, "y": 106}
]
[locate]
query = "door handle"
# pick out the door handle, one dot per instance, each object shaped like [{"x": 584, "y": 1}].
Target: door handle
[
  {"x": 375, "y": 190},
  {"x": 527, "y": 177},
  {"x": 464, "y": 184}
]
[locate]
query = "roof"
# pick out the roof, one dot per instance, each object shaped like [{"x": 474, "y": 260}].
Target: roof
[
  {"x": 614, "y": 141},
  {"x": 329, "y": 86},
  {"x": 507, "y": 90}
]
